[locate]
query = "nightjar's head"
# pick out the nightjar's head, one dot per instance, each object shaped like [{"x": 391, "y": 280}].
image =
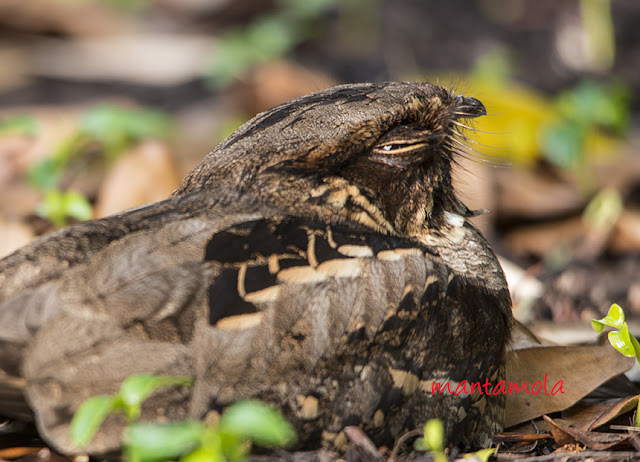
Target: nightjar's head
[{"x": 375, "y": 154}]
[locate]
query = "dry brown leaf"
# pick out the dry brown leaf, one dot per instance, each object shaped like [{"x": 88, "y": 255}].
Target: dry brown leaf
[
  {"x": 559, "y": 333},
  {"x": 145, "y": 174},
  {"x": 522, "y": 337},
  {"x": 560, "y": 435},
  {"x": 541, "y": 239},
  {"x": 577, "y": 370},
  {"x": 537, "y": 426},
  {"x": 275, "y": 82},
  {"x": 588, "y": 416},
  {"x": 49, "y": 16},
  {"x": 13, "y": 235},
  {"x": 569, "y": 449},
  {"x": 593, "y": 440},
  {"x": 535, "y": 194},
  {"x": 626, "y": 234}
]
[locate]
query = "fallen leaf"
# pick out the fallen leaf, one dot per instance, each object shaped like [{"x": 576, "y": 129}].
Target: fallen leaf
[
  {"x": 587, "y": 416},
  {"x": 560, "y": 435},
  {"x": 626, "y": 234},
  {"x": 536, "y": 194},
  {"x": 276, "y": 82},
  {"x": 542, "y": 239},
  {"x": 145, "y": 174},
  {"x": 576, "y": 370},
  {"x": 593, "y": 440},
  {"x": 13, "y": 235},
  {"x": 569, "y": 449}
]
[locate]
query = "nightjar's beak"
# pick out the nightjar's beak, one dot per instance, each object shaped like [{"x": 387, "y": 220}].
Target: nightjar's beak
[{"x": 469, "y": 107}]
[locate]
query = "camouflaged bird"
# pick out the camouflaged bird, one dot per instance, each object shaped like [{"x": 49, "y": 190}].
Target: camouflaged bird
[{"x": 318, "y": 259}]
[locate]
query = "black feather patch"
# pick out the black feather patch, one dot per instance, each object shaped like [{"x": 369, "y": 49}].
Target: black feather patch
[
  {"x": 253, "y": 253},
  {"x": 224, "y": 299},
  {"x": 258, "y": 278}
]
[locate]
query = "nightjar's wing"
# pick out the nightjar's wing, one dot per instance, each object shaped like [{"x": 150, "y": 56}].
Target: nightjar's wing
[
  {"x": 34, "y": 281},
  {"x": 333, "y": 325},
  {"x": 238, "y": 302},
  {"x": 31, "y": 277}
]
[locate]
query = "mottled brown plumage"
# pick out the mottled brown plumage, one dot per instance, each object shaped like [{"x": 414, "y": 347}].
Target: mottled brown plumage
[{"x": 317, "y": 259}]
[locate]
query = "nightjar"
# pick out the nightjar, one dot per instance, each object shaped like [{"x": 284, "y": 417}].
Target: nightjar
[{"x": 317, "y": 259}]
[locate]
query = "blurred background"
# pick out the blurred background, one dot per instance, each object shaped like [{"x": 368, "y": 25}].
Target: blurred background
[{"x": 106, "y": 104}]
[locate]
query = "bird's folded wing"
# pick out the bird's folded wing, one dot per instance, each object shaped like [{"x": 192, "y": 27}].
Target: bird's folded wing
[{"x": 139, "y": 305}]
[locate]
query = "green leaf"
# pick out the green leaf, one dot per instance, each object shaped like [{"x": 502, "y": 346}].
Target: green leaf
[
  {"x": 271, "y": 36},
  {"x": 152, "y": 442},
  {"x": 20, "y": 124},
  {"x": 233, "y": 447},
  {"x": 434, "y": 435},
  {"x": 77, "y": 206},
  {"x": 482, "y": 454},
  {"x": 204, "y": 455},
  {"x": 89, "y": 417},
  {"x": 240, "y": 49},
  {"x": 598, "y": 326},
  {"x": 563, "y": 142},
  {"x": 308, "y": 8},
  {"x": 620, "y": 341},
  {"x": 137, "y": 388},
  {"x": 596, "y": 104},
  {"x": 116, "y": 128},
  {"x": 636, "y": 348},
  {"x": 420, "y": 445},
  {"x": 258, "y": 422},
  {"x": 603, "y": 211},
  {"x": 267, "y": 37},
  {"x": 219, "y": 446},
  {"x": 45, "y": 175},
  {"x": 128, "y": 6},
  {"x": 58, "y": 206},
  {"x": 494, "y": 67},
  {"x": 615, "y": 317}
]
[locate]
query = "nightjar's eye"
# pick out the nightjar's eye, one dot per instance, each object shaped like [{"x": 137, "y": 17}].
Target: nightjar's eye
[
  {"x": 399, "y": 147},
  {"x": 391, "y": 147}
]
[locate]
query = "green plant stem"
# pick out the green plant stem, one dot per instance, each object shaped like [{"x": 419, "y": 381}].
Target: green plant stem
[{"x": 636, "y": 348}]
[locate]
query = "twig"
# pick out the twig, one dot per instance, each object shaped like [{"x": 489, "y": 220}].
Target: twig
[{"x": 400, "y": 442}]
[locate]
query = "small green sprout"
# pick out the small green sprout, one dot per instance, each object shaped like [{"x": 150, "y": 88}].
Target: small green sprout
[
  {"x": 433, "y": 441},
  {"x": 482, "y": 455},
  {"x": 604, "y": 210},
  {"x": 116, "y": 128},
  {"x": 190, "y": 441},
  {"x": 59, "y": 206},
  {"x": 241, "y": 423},
  {"x": 620, "y": 339},
  {"x": 268, "y": 37},
  {"x": 113, "y": 129},
  {"x": 581, "y": 111},
  {"x": 19, "y": 124},
  {"x": 133, "y": 392}
]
